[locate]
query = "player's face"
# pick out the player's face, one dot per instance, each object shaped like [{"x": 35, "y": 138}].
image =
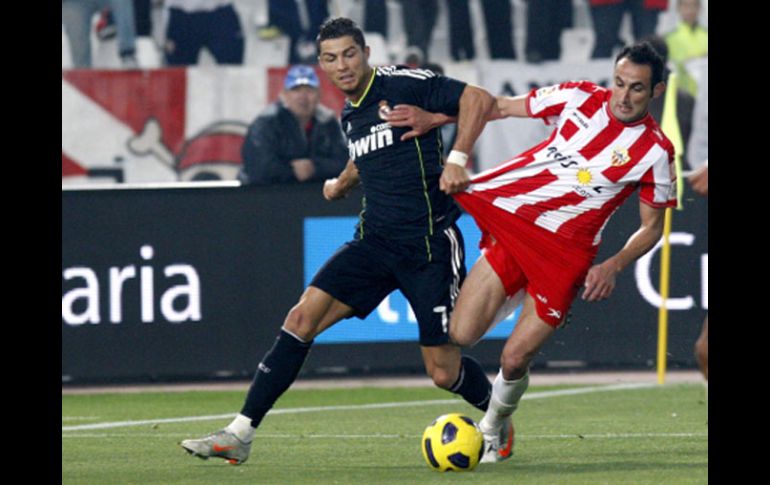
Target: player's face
[
  {"x": 632, "y": 91},
  {"x": 301, "y": 101},
  {"x": 346, "y": 64}
]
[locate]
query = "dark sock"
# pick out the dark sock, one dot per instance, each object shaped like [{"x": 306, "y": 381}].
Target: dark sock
[
  {"x": 472, "y": 384},
  {"x": 276, "y": 372}
]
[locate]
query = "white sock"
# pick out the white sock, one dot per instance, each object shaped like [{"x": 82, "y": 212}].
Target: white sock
[
  {"x": 504, "y": 401},
  {"x": 242, "y": 428}
]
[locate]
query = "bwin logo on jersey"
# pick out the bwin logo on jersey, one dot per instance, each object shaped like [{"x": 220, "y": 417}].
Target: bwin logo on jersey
[{"x": 380, "y": 137}]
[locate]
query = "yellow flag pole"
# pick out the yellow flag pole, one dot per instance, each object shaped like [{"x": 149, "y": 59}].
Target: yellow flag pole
[
  {"x": 670, "y": 126},
  {"x": 665, "y": 267}
]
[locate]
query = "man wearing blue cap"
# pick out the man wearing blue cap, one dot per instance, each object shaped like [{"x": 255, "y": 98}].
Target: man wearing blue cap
[{"x": 295, "y": 139}]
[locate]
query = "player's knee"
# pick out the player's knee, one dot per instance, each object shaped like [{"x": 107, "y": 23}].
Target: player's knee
[
  {"x": 443, "y": 378},
  {"x": 299, "y": 322},
  {"x": 457, "y": 337},
  {"x": 514, "y": 363},
  {"x": 461, "y": 337}
]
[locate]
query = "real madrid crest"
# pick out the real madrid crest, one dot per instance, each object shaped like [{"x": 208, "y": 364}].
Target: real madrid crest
[{"x": 384, "y": 110}]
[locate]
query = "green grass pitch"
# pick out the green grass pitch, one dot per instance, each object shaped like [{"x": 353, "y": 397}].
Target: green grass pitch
[{"x": 647, "y": 435}]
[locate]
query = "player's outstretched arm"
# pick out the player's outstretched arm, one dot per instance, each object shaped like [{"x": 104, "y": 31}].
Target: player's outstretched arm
[
  {"x": 600, "y": 280},
  {"x": 510, "y": 107},
  {"x": 421, "y": 121},
  {"x": 339, "y": 187}
]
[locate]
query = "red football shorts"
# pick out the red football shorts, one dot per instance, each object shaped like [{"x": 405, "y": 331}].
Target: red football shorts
[{"x": 551, "y": 268}]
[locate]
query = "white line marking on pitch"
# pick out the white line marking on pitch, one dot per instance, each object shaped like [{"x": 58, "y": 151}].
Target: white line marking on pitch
[
  {"x": 385, "y": 405},
  {"x": 397, "y": 436}
]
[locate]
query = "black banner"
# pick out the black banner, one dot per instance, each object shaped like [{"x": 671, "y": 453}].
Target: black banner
[{"x": 189, "y": 283}]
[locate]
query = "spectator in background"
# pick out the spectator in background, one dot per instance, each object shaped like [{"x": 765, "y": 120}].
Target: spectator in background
[
  {"x": 419, "y": 20},
  {"x": 295, "y": 139},
  {"x": 76, "y": 16},
  {"x": 546, "y": 19},
  {"x": 607, "y": 16},
  {"x": 376, "y": 17},
  {"x": 498, "y": 20},
  {"x": 698, "y": 145},
  {"x": 498, "y": 23},
  {"x": 147, "y": 52},
  {"x": 191, "y": 26},
  {"x": 461, "y": 46},
  {"x": 106, "y": 28},
  {"x": 284, "y": 17},
  {"x": 688, "y": 41},
  {"x": 143, "y": 17}
]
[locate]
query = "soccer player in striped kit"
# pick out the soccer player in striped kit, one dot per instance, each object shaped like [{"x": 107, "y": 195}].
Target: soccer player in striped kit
[
  {"x": 542, "y": 214},
  {"x": 406, "y": 237}
]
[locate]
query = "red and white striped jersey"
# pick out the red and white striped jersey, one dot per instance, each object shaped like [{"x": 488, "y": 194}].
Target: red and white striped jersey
[{"x": 571, "y": 183}]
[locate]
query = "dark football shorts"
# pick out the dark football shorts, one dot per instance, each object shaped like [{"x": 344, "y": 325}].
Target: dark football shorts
[{"x": 428, "y": 271}]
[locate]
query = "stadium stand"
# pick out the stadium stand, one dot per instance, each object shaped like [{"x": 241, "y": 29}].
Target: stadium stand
[{"x": 577, "y": 41}]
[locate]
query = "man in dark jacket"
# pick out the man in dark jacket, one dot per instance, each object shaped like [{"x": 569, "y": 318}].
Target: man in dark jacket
[{"x": 295, "y": 139}]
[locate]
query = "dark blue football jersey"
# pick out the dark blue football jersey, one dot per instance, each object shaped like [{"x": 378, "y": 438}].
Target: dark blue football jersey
[{"x": 400, "y": 179}]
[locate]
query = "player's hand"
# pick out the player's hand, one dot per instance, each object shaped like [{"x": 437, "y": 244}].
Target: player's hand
[
  {"x": 454, "y": 179},
  {"x": 700, "y": 181},
  {"x": 303, "y": 168},
  {"x": 600, "y": 282},
  {"x": 332, "y": 190},
  {"x": 406, "y": 115}
]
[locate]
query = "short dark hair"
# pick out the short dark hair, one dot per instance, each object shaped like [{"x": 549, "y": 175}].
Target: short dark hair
[
  {"x": 335, "y": 28},
  {"x": 644, "y": 53},
  {"x": 659, "y": 44}
]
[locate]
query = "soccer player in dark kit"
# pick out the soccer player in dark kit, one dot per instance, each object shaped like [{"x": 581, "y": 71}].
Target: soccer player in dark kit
[{"x": 406, "y": 237}]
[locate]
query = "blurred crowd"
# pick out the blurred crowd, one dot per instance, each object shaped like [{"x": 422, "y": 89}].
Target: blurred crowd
[
  {"x": 159, "y": 33},
  {"x": 154, "y": 33}
]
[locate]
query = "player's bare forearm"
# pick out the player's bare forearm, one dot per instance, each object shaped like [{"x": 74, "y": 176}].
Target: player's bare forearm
[
  {"x": 600, "y": 280},
  {"x": 644, "y": 239},
  {"x": 510, "y": 107},
  {"x": 421, "y": 121},
  {"x": 339, "y": 187}
]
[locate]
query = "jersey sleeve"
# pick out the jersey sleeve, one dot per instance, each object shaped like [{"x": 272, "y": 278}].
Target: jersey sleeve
[
  {"x": 424, "y": 88},
  {"x": 436, "y": 93},
  {"x": 658, "y": 184},
  {"x": 444, "y": 95},
  {"x": 547, "y": 103}
]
